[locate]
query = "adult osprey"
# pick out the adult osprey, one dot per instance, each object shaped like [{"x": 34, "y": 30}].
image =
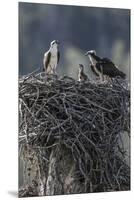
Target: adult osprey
[
  {"x": 103, "y": 66},
  {"x": 51, "y": 58},
  {"x": 82, "y": 76}
]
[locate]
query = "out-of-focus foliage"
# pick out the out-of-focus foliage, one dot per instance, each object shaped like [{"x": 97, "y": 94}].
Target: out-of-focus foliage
[{"x": 78, "y": 29}]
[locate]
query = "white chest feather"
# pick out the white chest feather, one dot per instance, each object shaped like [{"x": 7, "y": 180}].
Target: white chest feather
[
  {"x": 53, "y": 58},
  {"x": 93, "y": 62}
]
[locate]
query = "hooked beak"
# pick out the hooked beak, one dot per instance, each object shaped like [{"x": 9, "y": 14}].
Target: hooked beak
[
  {"x": 86, "y": 53},
  {"x": 57, "y": 42}
]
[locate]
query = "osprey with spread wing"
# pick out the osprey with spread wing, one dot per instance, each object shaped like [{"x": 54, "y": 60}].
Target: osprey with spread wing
[{"x": 103, "y": 66}]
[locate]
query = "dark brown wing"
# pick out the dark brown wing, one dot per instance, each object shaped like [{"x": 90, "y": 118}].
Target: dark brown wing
[
  {"x": 85, "y": 77},
  {"x": 106, "y": 60},
  {"x": 107, "y": 67},
  {"x": 58, "y": 55},
  {"x": 47, "y": 60}
]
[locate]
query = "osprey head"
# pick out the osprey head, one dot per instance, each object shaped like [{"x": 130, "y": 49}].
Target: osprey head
[
  {"x": 54, "y": 43},
  {"x": 81, "y": 67},
  {"x": 90, "y": 53}
]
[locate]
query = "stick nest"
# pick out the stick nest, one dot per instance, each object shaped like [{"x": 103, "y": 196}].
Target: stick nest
[{"x": 87, "y": 118}]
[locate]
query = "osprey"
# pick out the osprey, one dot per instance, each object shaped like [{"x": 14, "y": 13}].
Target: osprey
[
  {"x": 51, "y": 58},
  {"x": 82, "y": 76},
  {"x": 103, "y": 66}
]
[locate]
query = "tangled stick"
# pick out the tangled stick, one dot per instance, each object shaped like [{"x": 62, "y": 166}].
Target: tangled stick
[{"x": 87, "y": 118}]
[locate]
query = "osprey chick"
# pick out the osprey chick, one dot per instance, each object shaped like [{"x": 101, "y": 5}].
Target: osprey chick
[
  {"x": 51, "y": 58},
  {"x": 82, "y": 76},
  {"x": 104, "y": 66}
]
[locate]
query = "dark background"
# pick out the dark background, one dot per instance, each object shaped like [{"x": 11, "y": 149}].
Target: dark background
[{"x": 107, "y": 30}]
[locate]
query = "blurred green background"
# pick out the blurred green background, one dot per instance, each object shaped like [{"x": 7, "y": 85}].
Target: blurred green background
[{"x": 107, "y": 30}]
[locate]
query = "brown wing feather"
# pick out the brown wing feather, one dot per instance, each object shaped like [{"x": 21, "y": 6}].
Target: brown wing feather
[
  {"x": 109, "y": 68},
  {"x": 58, "y": 55},
  {"x": 47, "y": 60}
]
